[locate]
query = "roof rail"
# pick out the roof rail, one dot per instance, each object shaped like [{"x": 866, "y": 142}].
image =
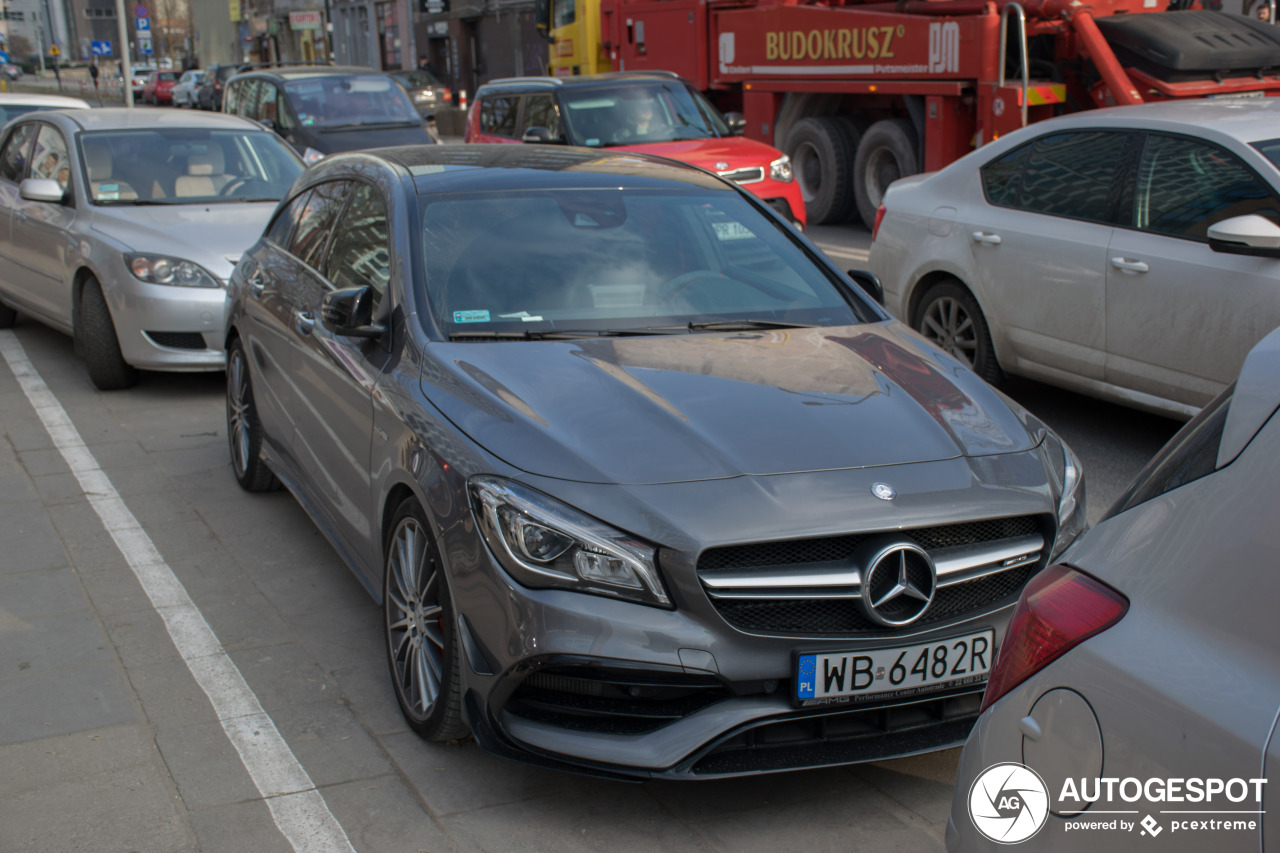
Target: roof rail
[{"x": 555, "y": 81}]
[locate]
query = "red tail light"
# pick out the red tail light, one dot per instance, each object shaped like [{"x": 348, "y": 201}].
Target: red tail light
[
  {"x": 875, "y": 229},
  {"x": 1058, "y": 610},
  {"x": 448, "y": 95}
]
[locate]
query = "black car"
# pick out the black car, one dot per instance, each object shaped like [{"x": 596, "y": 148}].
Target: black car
[
  {"x": 324, "y": 109},
  {"x": 209, "y": 95}
]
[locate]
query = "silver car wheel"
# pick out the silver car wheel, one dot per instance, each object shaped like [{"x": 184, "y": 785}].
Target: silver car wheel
[
  {"x": 244, "y": 432},
  {"x": 238, "y": 413},
  {"x": 947, "y": 323},
  {"x": 415, "y": 619}
]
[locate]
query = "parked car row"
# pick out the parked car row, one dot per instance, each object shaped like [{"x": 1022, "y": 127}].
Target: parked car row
[{"x": 645, "y": 486}]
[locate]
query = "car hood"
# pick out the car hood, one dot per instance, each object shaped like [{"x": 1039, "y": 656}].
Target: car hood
[
  {"x": 336, "y": 141},
  {"x": 679, "y": 408},
  {"x": 737, "y": 151},
  {"x": 212, "y": 235}
]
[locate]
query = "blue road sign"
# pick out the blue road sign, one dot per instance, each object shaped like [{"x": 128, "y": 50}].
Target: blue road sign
[
  {"x": 100, "y": 48},
  {"x": 144, "y": 25},
  {"x": 4, "y": 57}
]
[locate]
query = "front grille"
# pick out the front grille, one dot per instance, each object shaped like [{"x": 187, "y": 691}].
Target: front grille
[
  {"x": 744, "y": 176},
  {"x": 845, "y": 616},
  {"x": 793, "y": 611},
  {"x": 798, "y": 551},
  {"x": 615, "y": 702},
  {"x": 178, "y": 340},
  {"x": 845, "y": 737}
]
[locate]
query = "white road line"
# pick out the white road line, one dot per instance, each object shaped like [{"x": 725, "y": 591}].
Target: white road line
[
  {"x": 840, "y": 252},
  {"x": 299, "y": 811}
]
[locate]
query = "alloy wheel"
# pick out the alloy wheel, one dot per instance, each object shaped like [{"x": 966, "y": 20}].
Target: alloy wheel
[
  {"x": 415, "y": 618},
  {"x": 947, "y": 323}
]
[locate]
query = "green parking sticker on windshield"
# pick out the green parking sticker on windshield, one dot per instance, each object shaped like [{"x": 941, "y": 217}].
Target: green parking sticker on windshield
[{"x": 470, "y": 316}]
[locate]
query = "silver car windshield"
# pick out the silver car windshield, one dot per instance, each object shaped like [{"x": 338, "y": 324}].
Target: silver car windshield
[
  {"x": 637, "y": 115},
  {"x": 337, "y": 102},
  {"x": 607, "y": 261},
  {"x": 178, "y": 165}
]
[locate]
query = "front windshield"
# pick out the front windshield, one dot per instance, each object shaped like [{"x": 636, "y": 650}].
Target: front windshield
[
  {"x": 351, "y": 101},
  {"x": 638, "y": 114},
  {"x": 587, "y": 262},
  {"x": 180, "y": 165}
]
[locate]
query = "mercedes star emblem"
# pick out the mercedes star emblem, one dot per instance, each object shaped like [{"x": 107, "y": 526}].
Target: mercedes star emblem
[
  {"x": 883, "y": 491},
  {"x": 899, "y": 585}
]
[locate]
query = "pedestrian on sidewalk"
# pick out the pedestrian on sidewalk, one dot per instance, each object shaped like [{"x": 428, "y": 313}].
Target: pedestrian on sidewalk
[{"x": 93, "y": 73}]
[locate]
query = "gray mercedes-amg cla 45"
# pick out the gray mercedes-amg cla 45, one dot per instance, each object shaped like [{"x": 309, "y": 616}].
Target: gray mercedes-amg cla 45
[{"x": 646, "y": 487}]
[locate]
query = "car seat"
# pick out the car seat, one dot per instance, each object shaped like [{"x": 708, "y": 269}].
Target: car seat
[
  {"x": 206, "y": 174},
  {"x": 102, "y": 185}
]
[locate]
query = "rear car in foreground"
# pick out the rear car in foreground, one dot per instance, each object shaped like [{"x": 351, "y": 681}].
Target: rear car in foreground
[
  {"x": 646, "y": 487},
  {"x": 124, "y": 225},
  {"x": 1138, "y": 679},
  {"x": 1131, "y": 253}
]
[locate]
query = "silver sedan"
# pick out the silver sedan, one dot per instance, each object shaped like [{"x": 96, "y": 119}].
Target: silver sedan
[
  {"x": 122, "y": 227},
  {"x": 1137, "y": 692},
  {"x": 1131, "y": 254}
]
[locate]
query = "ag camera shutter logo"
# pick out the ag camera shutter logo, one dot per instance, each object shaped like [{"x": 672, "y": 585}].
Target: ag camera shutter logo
[{"x": 1008, "y": 803}]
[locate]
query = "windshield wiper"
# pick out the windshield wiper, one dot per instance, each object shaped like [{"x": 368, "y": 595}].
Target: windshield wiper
[
  {"x": 558, "y": 334},
  {"x": 745, "y": 325},
  {"x": 355, "y": 124}
]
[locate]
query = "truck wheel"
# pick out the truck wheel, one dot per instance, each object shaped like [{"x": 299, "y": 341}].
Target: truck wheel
[
  {"x": 887, "y": 152},
  {"x": 949, "y": 317},
  {"x": 821, "y": 156}
]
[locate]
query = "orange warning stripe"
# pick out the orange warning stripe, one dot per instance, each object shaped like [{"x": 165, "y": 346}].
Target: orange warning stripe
[{"x": 1054, "y": 93}]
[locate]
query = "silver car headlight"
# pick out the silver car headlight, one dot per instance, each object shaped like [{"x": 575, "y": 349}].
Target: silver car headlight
[
  {"x": 544, "y": 543},
  {"x": 311, "y": 156},
  {"x": 780, "y": 169},
  {"x": 162, "y": 269}
]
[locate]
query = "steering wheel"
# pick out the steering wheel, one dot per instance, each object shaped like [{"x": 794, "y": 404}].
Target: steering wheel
[
  {"x": 673, "y": 287},
  {"x": 238, "y": 184}
]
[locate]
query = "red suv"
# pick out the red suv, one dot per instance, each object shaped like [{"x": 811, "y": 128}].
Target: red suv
[{"x": 653, "y": 112}]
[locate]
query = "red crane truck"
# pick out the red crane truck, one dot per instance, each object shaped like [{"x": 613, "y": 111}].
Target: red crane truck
[{"x": 859, "y": 94}]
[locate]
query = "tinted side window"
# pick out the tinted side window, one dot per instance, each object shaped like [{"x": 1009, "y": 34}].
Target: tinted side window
[
  {"x": 239, "y": 97},
  {"x": 282, "y": 226},
  {"x": 1189, "y": 455},
  {"x": 540, "y": 111},
  {"x": 50, "y": 158},
  {"x": 16, "y": 151},
  {"x": 361, "y": 250},
  {"x": 1073, "y": 174},
  {"x": 1186, "y": 185},
  {"x": 498, "y": 116},
  {"x": 312, "y": 233},
  {"x": 1002, "y": 178}
]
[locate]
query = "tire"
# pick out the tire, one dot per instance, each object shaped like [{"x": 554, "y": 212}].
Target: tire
[
  {"x": 97, "y": 334},
  {"x": 887, "y": 152},
  {"x": 244, "y": 430},
  {"x": 422, "y": 647},
  {"x": 821, "y": 157},
  {"x": 949, "y": 317},
  {"x": 7, "y": 316}
]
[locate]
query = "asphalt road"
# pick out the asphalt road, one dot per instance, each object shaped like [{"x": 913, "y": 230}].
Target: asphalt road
[{"x": 108, "y": 742}]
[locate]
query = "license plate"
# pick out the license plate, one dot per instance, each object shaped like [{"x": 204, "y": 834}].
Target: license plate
[{"x": 850, "y": 676}]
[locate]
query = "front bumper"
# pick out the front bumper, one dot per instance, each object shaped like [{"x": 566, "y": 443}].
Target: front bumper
[{"x": 167, "y": 328}]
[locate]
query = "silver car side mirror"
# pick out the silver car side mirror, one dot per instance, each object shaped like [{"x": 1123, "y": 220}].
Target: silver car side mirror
[
  {"x": 41, "y": 189},
  {"x": 1241, "y": 235}
]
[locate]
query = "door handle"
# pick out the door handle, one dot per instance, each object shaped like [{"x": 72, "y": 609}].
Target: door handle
[
  {"x": 1129, "y": 266},
  {"x": 257, "y": 283},
  {"x": 986, "y": 239},
  {"x": 21, "y": 215},
  {"x": 304, "y": 321}
]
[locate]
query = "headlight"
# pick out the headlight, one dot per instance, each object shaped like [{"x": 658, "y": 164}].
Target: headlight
[
  {"x": 161, "y": 269},
  {"x": 426, "y": 95},
  {"x": 780, "y": 169},
  {"x": 1068, "y": 481},
  {"x": 311, "y": 156},
  {"x": 544, "y": 543}
]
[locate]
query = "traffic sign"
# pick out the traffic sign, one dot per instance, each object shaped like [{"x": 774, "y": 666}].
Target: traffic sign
[
  {"x": 144, "y": 25},
  {"x": 140, "y": 11},
  {"x": 4, "y": 57},
  {"x": 144, "y": 45},
  {"x": 100, "y": 48}
]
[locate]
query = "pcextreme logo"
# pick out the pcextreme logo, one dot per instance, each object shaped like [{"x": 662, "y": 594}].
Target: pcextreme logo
[{"x": 1008, "y": 803}]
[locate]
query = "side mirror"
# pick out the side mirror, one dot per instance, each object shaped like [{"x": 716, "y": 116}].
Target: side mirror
[
  {"x": 737, "y": 123},
  {"x": 349, "y": 312},
  {"x": 870, "y": 283},
  {"x": 542, "y": 18},
  {"x": 1240, "y": 235},
  {"x": 42, "y": 189}
]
